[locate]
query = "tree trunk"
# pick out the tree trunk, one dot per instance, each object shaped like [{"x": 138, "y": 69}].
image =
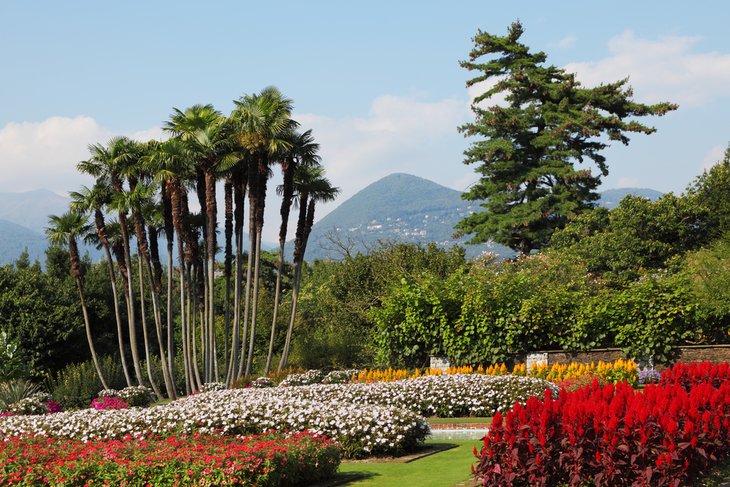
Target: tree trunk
[
  {"x": 131, "y": 319},
  {"x": 144, "y": 259},
  {"x": 239, "y": 197},
  {"x": 76, "y": 272},
  {"x": 211, "y": 219},
  {"x": 148, "y": 357},
  {"x": 115, "y": 295},
  {"x": 228, "y": 191},
  {"x": 287, "y": 167}
]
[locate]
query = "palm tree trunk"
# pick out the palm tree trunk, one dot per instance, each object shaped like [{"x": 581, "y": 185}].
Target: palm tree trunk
[
  {"x": 76, "y": 271},
  {"x": 144, "y": 263},
  {"x": 249, "y": 362},
  {"x": 210, "y": 240},
  {"x": 249, "y": 269},
  {"x": 239, "y": 195},
  {"x": 228, "y": 191},
  {"x": 287, "y": 169},
  {"x": 283, "y": 362},
  {"x": 117, "y": 315},
  {"x": 277, "y": 294},
  {"x": 148, "y": 358},
  {"x": 131, "y": 319},
  {"x": 299, "y": 245}
]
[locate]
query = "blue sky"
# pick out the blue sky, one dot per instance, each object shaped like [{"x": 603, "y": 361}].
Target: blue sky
[{"x": 378, "y": 82}]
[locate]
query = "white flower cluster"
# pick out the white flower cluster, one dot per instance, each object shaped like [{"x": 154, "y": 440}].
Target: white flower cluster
[
  {"x": 313, "y": 376},
  {"x": 360, "y": 430},
  {"x": 340, "y": 376},
  {"x": 437, "y": 395},
  {"x": 132, "y": 395}
]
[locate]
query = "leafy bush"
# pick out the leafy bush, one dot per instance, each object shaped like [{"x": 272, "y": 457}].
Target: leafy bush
[
  {"x": 609, "y": 435},
  {"x": 12, "y": 361},
  {"x": 13, "y": 391},
  {"x": 267, "y": 460},
  {"x": 77, "y": 384}
]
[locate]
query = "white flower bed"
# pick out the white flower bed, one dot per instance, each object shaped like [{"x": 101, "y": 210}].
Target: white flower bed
[
  {"x": 438, "y": 395},
  {"x": 360, "y": 430},
  {"x": 364, "y": 418}
]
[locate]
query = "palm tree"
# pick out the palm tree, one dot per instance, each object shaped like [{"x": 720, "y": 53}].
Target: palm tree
[
  {"x": 172, "y": 167},
  {"x": 263, "y": 122},
  {"x": 96, "y": 199},
  {"x": 64, "y": 230},
  {"x": 108, "y": 163},
  {"x": 303, "y": 152},
  {"x": 313, "y": 187},
  {"x": 206, "y": 134}
]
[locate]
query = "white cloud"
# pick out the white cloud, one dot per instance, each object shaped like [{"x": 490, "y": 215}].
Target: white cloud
[
  {"x": 44, "y": 154},
  {"x": 714, "y": 156},
  {"x": 668, "y": 69}
]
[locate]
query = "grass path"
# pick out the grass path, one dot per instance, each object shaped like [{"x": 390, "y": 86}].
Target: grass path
[{"x": 444, "y": 469}]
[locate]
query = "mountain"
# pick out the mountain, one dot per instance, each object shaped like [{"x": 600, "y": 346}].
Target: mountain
[
  {"x": 406, "y": 208},
  {"x": 399, "y": 207},
  {"x": 611, "y": 197},
  {"x": 31, "y": 208},
  {"x": 15, "y": 238}
]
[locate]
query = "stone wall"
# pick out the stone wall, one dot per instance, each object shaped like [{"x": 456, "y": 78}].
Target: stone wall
[{"x": 689, "y": 353}]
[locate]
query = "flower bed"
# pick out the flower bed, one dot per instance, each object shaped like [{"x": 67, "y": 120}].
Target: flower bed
[
  {"x": 365, "y": 419},
  {"x": 606, "y": 371},
  {"x": 609, "y": 435},
  {"x": 360, "y": 430},
  {"x": 691, "y": 374},
  {"x": 266, "y": 460},
  {"x": 437, "y": 395}
]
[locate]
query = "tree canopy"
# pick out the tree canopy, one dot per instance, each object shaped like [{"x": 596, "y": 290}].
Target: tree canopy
[{"x": 527, "y": 147}]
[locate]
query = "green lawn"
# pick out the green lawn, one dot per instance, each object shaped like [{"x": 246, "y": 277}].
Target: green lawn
[{"x": 443, "y": 469}]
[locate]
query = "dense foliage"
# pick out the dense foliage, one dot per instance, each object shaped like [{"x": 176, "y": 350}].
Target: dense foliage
[{"x": 611, "y": 435}]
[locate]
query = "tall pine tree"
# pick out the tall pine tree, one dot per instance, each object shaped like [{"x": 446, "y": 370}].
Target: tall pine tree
[{"x": 527, "y": 149}]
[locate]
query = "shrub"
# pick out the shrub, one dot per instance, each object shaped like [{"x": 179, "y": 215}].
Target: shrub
[
  {"x": 13, "y": 391},
  {"x": 77, "y": 384},
  {"x": 267, "y": 460},
  {"x": 137, "y": 396}
]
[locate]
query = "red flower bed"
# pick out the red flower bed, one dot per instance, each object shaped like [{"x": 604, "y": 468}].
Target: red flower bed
[
  {"x": 609, "y": 435},
  {"x": 691, "y": 374},
  {"x": 265, "y": 460}
]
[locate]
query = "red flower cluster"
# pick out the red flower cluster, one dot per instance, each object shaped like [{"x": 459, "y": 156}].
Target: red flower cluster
[
  {"x": 611, "y": 435},
  {"x": 691, "y": 374},
  {"x": 264, "y": 460},
  {"x": 108, "y": 402}
]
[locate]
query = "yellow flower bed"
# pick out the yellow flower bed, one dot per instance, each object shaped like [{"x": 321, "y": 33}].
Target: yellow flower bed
[{"x": 608, "y": 371}]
